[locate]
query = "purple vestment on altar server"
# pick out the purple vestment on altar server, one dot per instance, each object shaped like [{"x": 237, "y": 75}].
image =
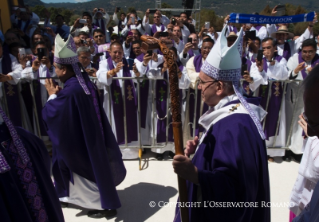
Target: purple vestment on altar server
[
  {"x": 232, "y": 167},
  {"x": 83, "y": 142},
  {"x": 26, "y": 191}
]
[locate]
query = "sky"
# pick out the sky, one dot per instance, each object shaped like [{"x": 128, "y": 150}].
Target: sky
[{"x": 58, "y": 1}]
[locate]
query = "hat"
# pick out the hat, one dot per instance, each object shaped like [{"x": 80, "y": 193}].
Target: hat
[
  {"x": 65, "y": 53},
  {"x": 283, "y": 29},
  {"x": 232, "y": 34},
  {"x": 224, "y": 63},
  {"x": 4, "y": 166}
]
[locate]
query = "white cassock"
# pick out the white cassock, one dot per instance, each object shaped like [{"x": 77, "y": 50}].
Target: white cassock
[
  {"x": 28, "y": 75},
  {"x": 294, "y": 106},
  {"x": 146, "y": 132},
  {"x": 127, "y": 153},
  {"x": 261, "y": 33},
  {"x": 183, "y": 83},
  {"x": 16, "y": 76},
  {"x": 278, "y": 71},
  {"x": 308, "y": 176},
  {"x": 148, "y": 26},
  {"x": 185, "y": 60}
]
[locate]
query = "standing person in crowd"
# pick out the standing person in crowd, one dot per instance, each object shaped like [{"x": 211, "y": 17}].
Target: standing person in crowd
[
  {"x": 190, "y": 50},
  {"x": 127, "y": 44},
  {"x": 224, "y": 154},
  {"x": 60, "y": 28},
  {"x": 87, "y": 165},
  {"x": 25, "y": 179},
  {"x": 87, "y": 27},
  {"x": 99, "y": 40},
  {"x": 272, "y": 67},
  {"x": 299, "y": 66},
  {"x": 310, "y": 212},
  {"x": 120, "y": 22},
  {"x": 193, "y": 67},
  {"x": 10, "y": 74},
  {"x": 101, "y": 19},
  {"x": 157, "y": 25},
  {"x": 177, "y": 34},
  {"x": 116, "y": 66}
]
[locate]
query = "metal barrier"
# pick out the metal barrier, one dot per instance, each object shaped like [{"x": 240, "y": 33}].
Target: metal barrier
[{"x": 154, "y": 144}]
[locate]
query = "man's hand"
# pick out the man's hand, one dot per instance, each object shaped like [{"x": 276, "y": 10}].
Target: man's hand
[
  {"x": 184, "y": 168},
  {"x": 128, "y": 40},
  {"x": 302, "y": 122},
  {"x": 51, "y": 87},
  {"x": 300, "y": 67},
  {"x": 76, "y": 23},
  {"x": 146, "y": 59},
  {"x": 274, "y": 11},
  {"x": 260, "y": 65},
  {"x": 89, "y": 42},
  {"x": 46, "y": 61},
  {"x": 187, "y": 47},
  {"x": 118, "y": 67},
  {"x": 5, "y": 78},
  {"x": 147, "y": 13},
  {"x": 91, "y": 72},
  {"x": 247, "y": 77},
  {"x": 137, "y": 74},
  {"x": 35, "y": 65},
  {"x": 50, "y": 31},
  {"x": 23, "y": 60},
  {"x": 226, "y": 19},
  {"x": 191, "y": 146}
]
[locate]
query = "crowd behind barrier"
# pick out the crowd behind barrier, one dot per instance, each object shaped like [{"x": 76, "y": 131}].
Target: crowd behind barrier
[{"x": 189, "y": 132}]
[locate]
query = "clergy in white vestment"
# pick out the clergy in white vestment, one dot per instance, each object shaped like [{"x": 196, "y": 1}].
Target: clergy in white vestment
[
  {"x": 272, "y": 67},
  {"x": 116, "y": 66},
  {"x": 190, "y": 49},
  {"x": 299, "y": 67}
]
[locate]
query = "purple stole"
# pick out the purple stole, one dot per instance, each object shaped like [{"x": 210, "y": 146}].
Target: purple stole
[
  {"x": 154, "y": 29},
  {"x": 258, "y": 27},
  {"x": 274, "y": 102},
  {"x": 246, "y": 88},
  {"x": 287, "y": 51},
  {"x": 191, "y": 53},
  {"x": 232, "y": 29},
  {"x": 11, "y": 93},
  {"x": 143, "y": 95},
  {"x": 26, "y": 25},
  {"x": 161, "y": 102},
  {"x": 198, "y": 128},
  {"x": 118, "y": 108},
  {"x": 314, "y": 61}
]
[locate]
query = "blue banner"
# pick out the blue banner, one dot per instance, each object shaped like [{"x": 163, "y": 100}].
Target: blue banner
[{"x": 262, "y": 19}]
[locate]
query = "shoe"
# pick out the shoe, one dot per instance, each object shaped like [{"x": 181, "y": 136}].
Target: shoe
[
  {"x": 64, "y": 205},
  {"x": 286, "y": 158},
  {"x": 101, "y": 213},
  {"x": 171, "y": 154},
  {"x": 159, "y": 156}
]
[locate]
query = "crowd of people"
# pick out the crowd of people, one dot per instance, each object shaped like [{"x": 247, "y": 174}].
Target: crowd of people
[{"x": 50, "y": 56}]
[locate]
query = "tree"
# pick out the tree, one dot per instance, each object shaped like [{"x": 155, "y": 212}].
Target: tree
[{"x": 266, "y": 11}]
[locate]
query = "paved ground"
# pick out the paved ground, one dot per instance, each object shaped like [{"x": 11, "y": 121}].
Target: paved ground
[{"x": 158, "y": 183}]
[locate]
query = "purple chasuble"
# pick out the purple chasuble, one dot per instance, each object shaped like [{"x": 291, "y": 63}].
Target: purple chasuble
[
  {"x": 11, "y": 93},
  {"x": 118, "y": 107},
  {"x": 198, "y": 128},
  {"x": 231, "y": 169},
  {"x": 154, "y": 29},
  {"x": 91, "y": 151},
  {"x": 274, "y": 102},
  {"x": 287, "y": 51},
  {"x": 314, "y": 62},
  {"x": 258, "y": 27}
]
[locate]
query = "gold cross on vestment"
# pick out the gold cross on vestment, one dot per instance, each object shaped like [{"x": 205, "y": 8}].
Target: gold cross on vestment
[
  {"x": 234, "y": 107},
  {"x": 162, "y": 94},
  {"x": 129, "y": 92},
  {"x": 10, "y": 89},
  {"x": 277, "y": 93},
  {"x": 116, "y": 94}
]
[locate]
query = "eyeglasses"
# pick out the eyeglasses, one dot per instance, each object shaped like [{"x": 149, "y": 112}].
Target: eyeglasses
[
  {"x": 307, "y": 121},
  {"x": 101, "y": 36},
  {"x": 201, "y": 82}
]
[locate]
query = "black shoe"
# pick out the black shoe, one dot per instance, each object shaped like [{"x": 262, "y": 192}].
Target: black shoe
[
  {"x": 64, "y": 205},
  {"x": 101, "y": 213},
  {"x": 159, "y": 156},
  {"x": 286, "y": 158},
  {"x": 171, "y": 154}
]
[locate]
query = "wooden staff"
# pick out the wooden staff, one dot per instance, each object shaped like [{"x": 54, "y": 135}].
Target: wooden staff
[{"x": 153, "y": 43}]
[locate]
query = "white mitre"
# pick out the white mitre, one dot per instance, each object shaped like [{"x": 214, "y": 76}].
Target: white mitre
[
  {"x": 224, "y": 63},
  {"x": 65, "y": 53}
]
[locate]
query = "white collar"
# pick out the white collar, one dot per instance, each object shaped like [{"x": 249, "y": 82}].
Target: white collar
[{"x": 220, "y": 111}]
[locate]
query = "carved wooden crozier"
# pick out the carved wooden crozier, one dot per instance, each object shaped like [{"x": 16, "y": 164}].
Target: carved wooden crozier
[{"x": 150, "y": 43}]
